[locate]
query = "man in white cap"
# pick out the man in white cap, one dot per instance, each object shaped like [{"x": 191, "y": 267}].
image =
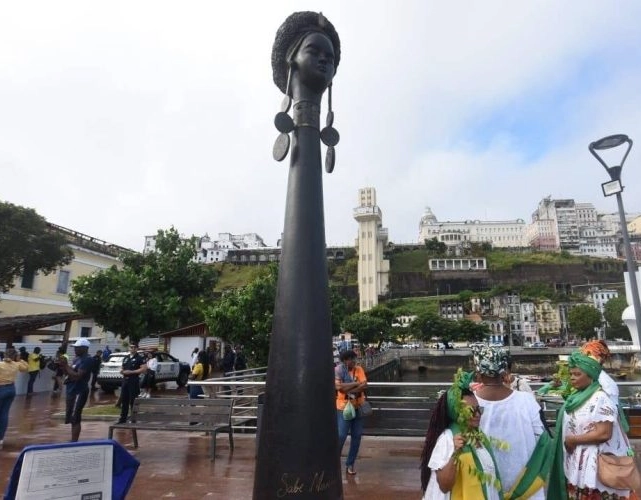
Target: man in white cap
[{"x": 78, "y": 375}]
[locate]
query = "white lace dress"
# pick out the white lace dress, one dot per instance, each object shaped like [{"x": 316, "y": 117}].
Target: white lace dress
[
  {"x": 516, "y": 421},
  {"x": 580, "y": 466}
]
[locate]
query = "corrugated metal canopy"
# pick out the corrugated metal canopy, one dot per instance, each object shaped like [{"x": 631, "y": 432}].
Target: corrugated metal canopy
[{"x": 30, "y": 322}]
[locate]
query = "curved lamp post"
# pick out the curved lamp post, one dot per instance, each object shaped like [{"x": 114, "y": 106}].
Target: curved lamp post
[{"x": 613, "y": 186}]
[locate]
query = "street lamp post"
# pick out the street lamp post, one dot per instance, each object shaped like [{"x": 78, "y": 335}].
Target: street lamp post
[{"x": 614, "y": 187}]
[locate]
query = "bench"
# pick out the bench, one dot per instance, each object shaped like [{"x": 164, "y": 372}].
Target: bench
[{"x": 174, "y": 414}]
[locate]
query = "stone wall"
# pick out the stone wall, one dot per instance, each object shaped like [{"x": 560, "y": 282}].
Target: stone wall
[{"x": 451, "y": 282}]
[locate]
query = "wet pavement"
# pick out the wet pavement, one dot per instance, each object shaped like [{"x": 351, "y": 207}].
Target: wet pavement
[{"x": 177, "y": 465}]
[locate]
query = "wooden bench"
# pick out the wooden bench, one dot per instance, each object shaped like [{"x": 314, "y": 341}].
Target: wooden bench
[{"x": 174, "y": 414}]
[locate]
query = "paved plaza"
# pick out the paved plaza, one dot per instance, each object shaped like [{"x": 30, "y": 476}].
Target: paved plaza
[{"x": 177, "y": 465}]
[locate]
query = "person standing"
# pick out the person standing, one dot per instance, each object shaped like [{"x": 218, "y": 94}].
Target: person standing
[
  {"x": 350, "y": 382},
  {"x": 9, "y": 368},
  {"x": 229, "y": 360},
  {"x": 512, "y": 417},
  {"x": 61, "y": 357},
  {"x": 33, "y": 361},
  {"x": 200, "y": 371},
  {"x": 587, "y": 425},
  {"x": 106, "y": 353},
  {"x": 240, "y": 364},
  {"x": 457, "y": 461},
  {"x": 95, "y": 369},
  {"x": 194, "y": 358},
  {"x": 149, "y": 378},
  {"x": 133, "y": 365},
  {"x": 78, "y": 375}
]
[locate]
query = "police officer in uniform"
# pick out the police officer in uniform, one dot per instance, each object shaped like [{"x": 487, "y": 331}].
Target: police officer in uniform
[{"x": 133, "y": 365}]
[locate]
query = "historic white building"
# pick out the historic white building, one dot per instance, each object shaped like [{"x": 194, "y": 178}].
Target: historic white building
[
  {"x": 373, "y": 269},
  {"x": 596, "y": 242},
  {"x": 209, "y": 251},
  {"x": 500, "y": 234}
]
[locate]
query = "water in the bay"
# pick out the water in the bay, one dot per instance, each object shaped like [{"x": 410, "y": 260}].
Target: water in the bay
[{"x": 445, "y": 378}]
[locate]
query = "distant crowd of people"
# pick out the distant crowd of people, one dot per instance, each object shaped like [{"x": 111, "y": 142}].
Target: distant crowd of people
[{"x": 78, "y": 376}]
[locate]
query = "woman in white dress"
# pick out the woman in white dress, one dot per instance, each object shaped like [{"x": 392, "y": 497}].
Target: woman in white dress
[
  {"x": 589, "y": 424},
  {"x": 457, "y": 461},
  {"x": 513, "y": 417}
]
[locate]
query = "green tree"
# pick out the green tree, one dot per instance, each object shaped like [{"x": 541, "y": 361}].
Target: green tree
[
  {"x": 245, "y": 315},
  {"x": 151, "y": 293},
  {"x": 472, "y": 332},
  {"x": 28, "y": 245},
  {"x": 367, "y": 328},
  {"x": 428, "y": 325},
  {"x": 584, "y": 319},
  {"x": 383, "y": 312},
  {"x": 435, "y": 247},
  {"x": 612, "y": 313}
]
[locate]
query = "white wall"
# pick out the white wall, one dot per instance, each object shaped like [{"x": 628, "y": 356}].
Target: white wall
[{"x": 182, "y": 347}]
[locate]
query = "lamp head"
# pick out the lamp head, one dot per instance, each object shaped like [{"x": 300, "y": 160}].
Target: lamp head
[{"x": 610, "y": 142}]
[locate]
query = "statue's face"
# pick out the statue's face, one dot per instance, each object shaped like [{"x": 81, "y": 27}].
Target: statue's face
[{"x": 314, "y": 62}]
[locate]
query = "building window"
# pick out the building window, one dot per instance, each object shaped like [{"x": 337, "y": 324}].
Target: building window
[
  {"x": 63, "y": 282},
  {"x": 28, "y": 277},
  {"x": 85, "y": 331}
]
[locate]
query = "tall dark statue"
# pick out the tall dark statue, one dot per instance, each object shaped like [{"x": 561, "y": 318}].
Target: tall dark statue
[{"x": 298, "y": 453}]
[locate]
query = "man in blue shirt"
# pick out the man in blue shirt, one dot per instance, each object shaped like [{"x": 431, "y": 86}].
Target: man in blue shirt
[
  {"x": 77, "y": 383},
  {"x": 106, "y": 353}
]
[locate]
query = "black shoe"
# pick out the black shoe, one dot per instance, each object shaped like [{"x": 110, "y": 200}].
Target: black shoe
[{"x": 121, "y": 421}]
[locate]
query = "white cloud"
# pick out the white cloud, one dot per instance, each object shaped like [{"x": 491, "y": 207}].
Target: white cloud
[{"x": 118, "y": 119}]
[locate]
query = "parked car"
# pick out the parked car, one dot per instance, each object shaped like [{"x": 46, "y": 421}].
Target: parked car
[
  {"x": 169, "y": 369},
  {"x": 537, "y": 345}
]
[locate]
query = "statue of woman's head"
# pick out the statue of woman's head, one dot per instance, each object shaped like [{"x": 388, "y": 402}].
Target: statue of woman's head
[{"x": 306, "y": 43}]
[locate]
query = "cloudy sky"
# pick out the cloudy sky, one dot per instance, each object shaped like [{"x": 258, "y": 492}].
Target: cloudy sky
[{"x": 121, "y": 118}]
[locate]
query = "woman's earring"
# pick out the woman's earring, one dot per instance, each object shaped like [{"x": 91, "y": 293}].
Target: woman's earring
[
  {"x": 284, "y": 124},
  {"x": 329, "y": 135}
]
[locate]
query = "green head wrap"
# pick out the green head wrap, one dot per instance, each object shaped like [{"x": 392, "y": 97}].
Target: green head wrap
[
  {"x": 462, "y": 380},
  {"x": 588, "y": 365}
]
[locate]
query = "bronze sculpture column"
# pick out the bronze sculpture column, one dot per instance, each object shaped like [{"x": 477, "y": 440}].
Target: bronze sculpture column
[{"x": 298, "y": 446}]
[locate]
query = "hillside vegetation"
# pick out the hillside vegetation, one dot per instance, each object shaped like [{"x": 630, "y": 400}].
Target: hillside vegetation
[
  {"x": 345, "y": 272},
  {"x": 417, "y": 261}
]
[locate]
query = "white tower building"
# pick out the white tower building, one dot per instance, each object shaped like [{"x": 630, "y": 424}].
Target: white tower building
[{"x": 373, "y": 270}]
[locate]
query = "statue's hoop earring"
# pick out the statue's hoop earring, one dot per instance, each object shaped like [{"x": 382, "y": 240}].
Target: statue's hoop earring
[
  {"x": 284, "y": 124},
  {"x": 329, "y": 135}
]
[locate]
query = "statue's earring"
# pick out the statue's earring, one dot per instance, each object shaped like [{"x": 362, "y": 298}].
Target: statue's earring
[
  {"x": 284, "y": 124},
  {"x": 329, "y": 135}
]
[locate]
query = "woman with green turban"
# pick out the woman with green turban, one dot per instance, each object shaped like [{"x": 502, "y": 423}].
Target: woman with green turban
[
  {"x": 457, "y": 462},
  {"x": 587, "y": 424}
]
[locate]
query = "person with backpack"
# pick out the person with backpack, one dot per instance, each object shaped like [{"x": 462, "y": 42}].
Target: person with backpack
[{"x": 33, "y": 360}]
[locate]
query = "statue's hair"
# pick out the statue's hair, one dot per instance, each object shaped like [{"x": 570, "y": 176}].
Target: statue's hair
[{"x": 289, "y": 35}]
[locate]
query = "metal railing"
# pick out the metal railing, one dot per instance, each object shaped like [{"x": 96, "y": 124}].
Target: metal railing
[{"x": 400, "y": 408}]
